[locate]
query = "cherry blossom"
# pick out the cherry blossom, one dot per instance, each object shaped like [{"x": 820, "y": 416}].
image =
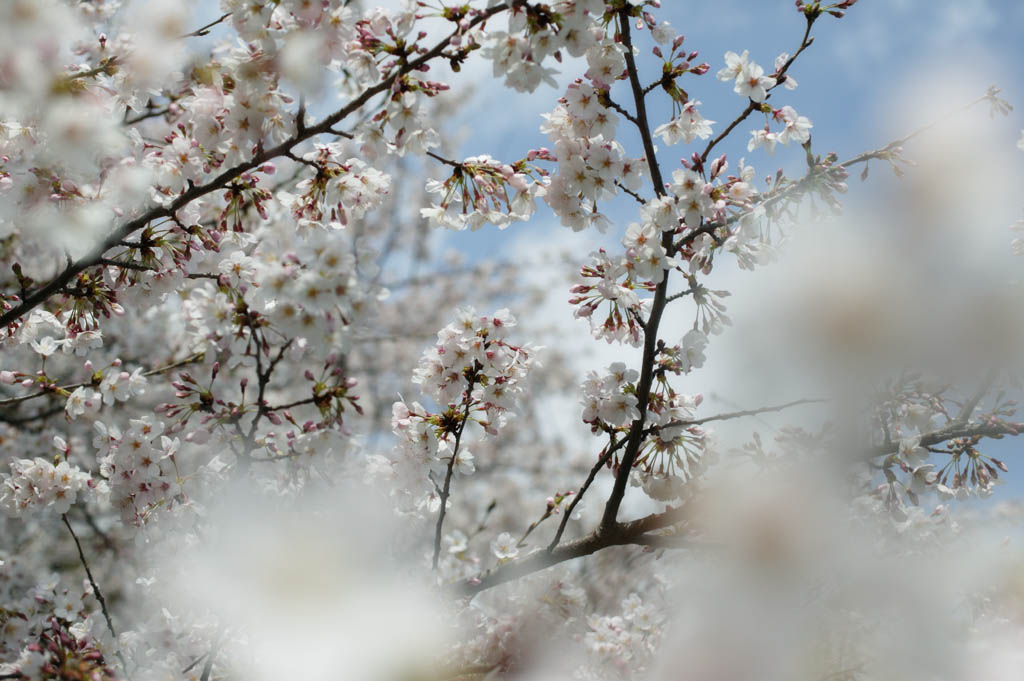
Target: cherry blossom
[{"x": 247, "y": 399}]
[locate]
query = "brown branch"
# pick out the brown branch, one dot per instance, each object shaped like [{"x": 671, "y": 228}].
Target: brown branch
[
  {"x": 643, "y": 389},
  {"x": 639, "y": 199},
  {"x": 954, "y": 429},
  {"x": 442, "y": 159},
  {"x": 205, "y": 30},
  {"x": 149, "y": 113},
  {"x": 620, "y": 534},
  {"x": 601, "y": 463},
  {"x": 611, "y": 104}
]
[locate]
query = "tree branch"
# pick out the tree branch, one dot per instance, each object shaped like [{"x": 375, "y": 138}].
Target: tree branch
[
  {"x": 994, "y": 428},
  {"x": 737, "y": 414},
  {"x": 197, "y": 357},
  {"x": 643, "y": 389},
  {"x": 619, "y": 534},
  {"x": 446, "y": 490},
  {"x": 95, "y": 588},
  {"x": 601, "y": 463}
]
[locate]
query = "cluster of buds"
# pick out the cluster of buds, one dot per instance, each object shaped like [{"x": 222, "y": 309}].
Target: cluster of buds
[
  {"x": 601, "y": 284},
  {"x": 483, "y": 190},
  {"x": 240, "y": 195},
  {"x": 812, "y": 10},
  {"x": 341, "y": 190},
  {"x": 59, "y": 654}
]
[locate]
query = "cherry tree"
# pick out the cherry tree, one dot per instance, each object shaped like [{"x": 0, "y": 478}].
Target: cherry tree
[{"x": 256, "y": 422}]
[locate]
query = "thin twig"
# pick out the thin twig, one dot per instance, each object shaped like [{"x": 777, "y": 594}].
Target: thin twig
[
  {"x": 973, "y": 400},
  {"x": 446, "y": 490},
  {"x": 442, "y": 159},
  {"x": 681, "y": 294},
  {"x": 205, "y": 30},
  {"x": 754, "y": 106},
  {"x": 548, "y": 512},
  {"x": 639, "y": 199},
  {"x": 74, "y": 386},
  {"x": 149, "y": 113},
  {"x": 601, "y": 463},
  {"x": 737, "y": 414},
  {"x": 885, "y": 152},
  {"x": 611, "y": 104},
  {"x": 95, "y": 588},
  {"x": 950, "y": 431},
  {"x": 619, "y": 534},
  {"x": 208, "y": 665}
]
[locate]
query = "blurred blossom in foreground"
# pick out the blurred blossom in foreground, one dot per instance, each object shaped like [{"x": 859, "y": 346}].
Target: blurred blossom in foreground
[
  {"x": 310, "y": 589},
  {"x": 801, "y": 588},
  {"x": 919, "y": 279}
]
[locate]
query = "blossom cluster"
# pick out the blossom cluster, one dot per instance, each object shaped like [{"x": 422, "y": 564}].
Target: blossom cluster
[
  {"x": 140, "y": 465},
  {"x": 536, "y": 34},
  {"x": 49, "y": 630},
  {"x": 629, "y": 639},
  {"x": 601, "y": 284},
  {"x": 41, "y": 484},
  {"x": 611, "y": 398},
  {"x": 472, "y": 374},
  {"x": 592, "y": 165}
]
